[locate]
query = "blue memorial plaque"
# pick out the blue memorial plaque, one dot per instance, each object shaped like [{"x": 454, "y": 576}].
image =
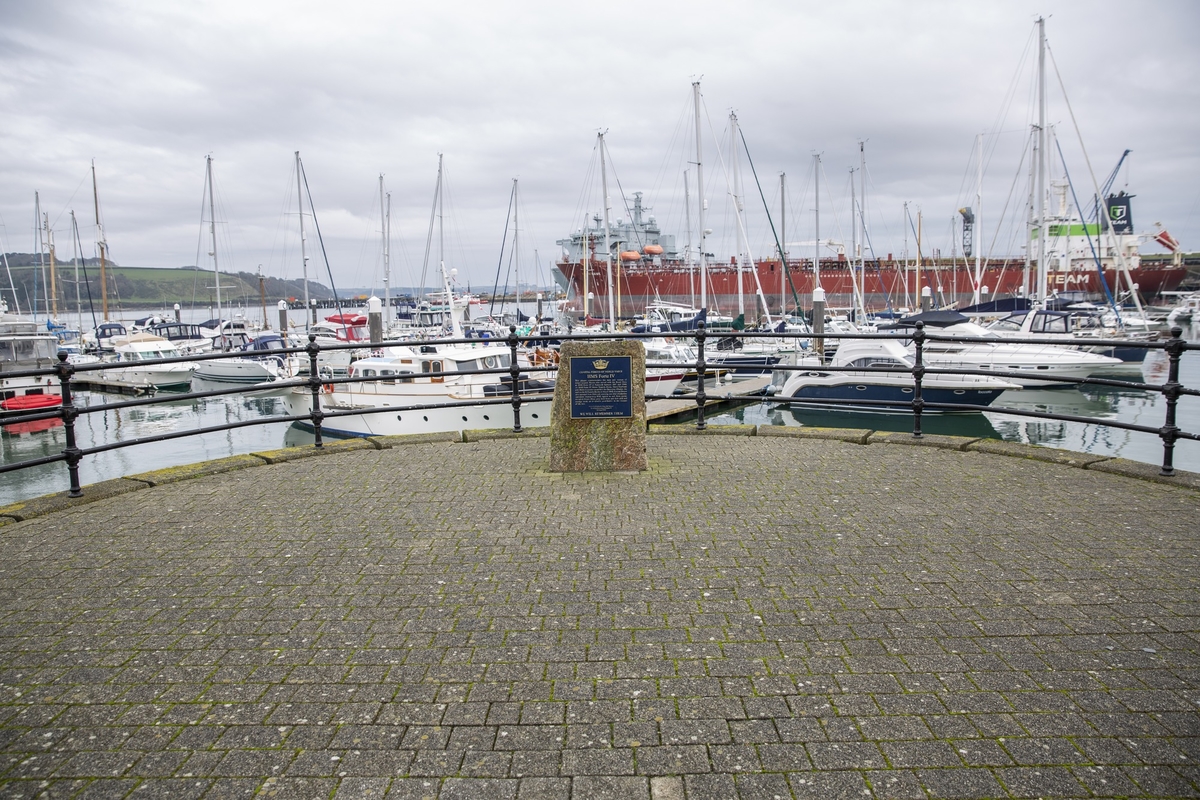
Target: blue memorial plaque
[{"x": 601, "y": 387}]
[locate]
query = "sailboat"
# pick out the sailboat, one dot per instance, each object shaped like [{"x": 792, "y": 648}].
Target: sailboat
[
  {"x": 431, "y": 388},
  {"x": 261, "y": 364}
]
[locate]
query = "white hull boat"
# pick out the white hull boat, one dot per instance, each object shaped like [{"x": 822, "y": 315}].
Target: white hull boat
[
  {"x": 428, "y": 375},
  {"x": 134, "y": 364},
  {"x": 1033, "y": 364},
  {"x": 881, "y": 392}
]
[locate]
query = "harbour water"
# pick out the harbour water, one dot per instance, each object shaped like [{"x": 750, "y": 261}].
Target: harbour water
[
  {"x": 97, "y": 429},
  {"x": 1099, "y": 402}
]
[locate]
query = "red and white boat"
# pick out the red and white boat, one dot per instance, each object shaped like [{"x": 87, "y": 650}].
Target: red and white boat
[{"x": 23, "y": 347}]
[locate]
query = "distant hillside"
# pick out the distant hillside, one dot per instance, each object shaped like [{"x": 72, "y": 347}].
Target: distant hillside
[{"x": 146, "y": 287}]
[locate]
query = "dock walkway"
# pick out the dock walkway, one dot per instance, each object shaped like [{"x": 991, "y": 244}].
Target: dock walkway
[{"x": 755, "y": 616}]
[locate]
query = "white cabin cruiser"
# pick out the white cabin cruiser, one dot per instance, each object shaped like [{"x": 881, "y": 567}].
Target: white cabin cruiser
[
  {"x": 262, "y": 362},
  {"x": 1041, "y": 363},
  {"x": 135, "y": 355},
  {"x": 407, "y": 376},
  {"x": 848, "y": 390},
  {"x": 1081, "y": 329}
]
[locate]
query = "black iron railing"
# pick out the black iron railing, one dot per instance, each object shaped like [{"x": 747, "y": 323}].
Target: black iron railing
[{"x": 522, "y": 390}]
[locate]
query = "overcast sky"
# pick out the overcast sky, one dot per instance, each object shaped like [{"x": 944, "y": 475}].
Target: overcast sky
[{"x": 519, "y": 90}]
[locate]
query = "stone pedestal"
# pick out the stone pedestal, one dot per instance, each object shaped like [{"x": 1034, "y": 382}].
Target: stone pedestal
[{"x": 599, "y": 443}]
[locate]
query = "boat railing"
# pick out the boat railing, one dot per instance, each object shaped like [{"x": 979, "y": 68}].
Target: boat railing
[{"x": 516, "y": 385}]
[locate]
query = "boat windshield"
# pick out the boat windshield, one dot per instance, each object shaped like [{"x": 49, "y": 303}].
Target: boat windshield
[
  {"x": 27, "y": 349},
  {"x": 881, "y": 361},
  {"x": 1012, "y": 323}
]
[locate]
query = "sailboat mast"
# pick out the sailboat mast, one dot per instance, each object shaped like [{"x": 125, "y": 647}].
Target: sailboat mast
[
  {"x": 905, "y": 225},
  {"x": 687, "y": 254},
  {"x": 920, "y": 260},
  {"x": 12, "y": 286},
  {"x": 212, "y": 228},
  {"x": 516, "y": 249},
  {"x": 585, "y": 262},
  {"x": 783, "y": 265},
  {"x": 41, "y": 249},
  {"x": 737, "y": 210},
  {"x": 102, "y": 245},
  {"x": 977, "y": 239},
  {"x": 700, "y": 199},
  {"x": 385, "y": 225},
  {"x": 817, "y": 222},
  {"x": 75, "y": 264},
  {"x": 53, "y": 276},
  {"x": 303, "y": 241},
  {"x": 853, "y": 240},
  {"x": 1031, "y": 222},
  {"x": 442, "y": 228},
  {"x": 612, "y": 312},
  {"x": 1041, "y": 164},
  {"x": 862, "y": 219}
]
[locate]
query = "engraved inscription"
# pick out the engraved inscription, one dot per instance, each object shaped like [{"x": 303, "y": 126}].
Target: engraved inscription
[{"x": 601, "y": 388}]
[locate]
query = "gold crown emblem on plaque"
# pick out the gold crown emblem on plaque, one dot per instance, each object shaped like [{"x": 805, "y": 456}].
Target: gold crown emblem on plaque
[{"x": 600, "y": 363}]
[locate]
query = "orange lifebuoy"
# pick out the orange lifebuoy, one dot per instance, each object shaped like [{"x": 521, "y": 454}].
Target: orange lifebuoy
[{"x": 327, "y": 388}]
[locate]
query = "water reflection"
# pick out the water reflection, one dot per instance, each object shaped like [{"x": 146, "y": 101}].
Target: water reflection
[
  {"x": 175, "y": 415},
  {"x": 1135, "y": 406},
  {"x": 113, "y": 425}
]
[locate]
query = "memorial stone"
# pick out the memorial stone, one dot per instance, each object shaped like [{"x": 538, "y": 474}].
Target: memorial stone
[{"x": 598, "y": 422}]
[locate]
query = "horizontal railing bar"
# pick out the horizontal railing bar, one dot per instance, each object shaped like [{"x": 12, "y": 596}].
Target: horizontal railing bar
[{"x": 33, "y": 462}]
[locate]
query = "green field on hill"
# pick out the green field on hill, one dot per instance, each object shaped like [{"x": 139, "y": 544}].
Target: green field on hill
[{"x": 146, "y": 287}]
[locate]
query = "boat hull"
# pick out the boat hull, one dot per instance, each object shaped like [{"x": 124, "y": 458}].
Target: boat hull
[
  {"x": 535, "y": 413},
  {"x": 234, "y": 370},
  {"x": 860, "y": 396},
  {"x": 885, "y": 282}
]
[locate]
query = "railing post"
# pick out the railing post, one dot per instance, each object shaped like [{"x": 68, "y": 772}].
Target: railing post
[
  {"x": 514, "y": 370},
  {"x": 701, "y": 373},
  {"x": 65, "y": 370},
  {"x": 314, "y": 386},
  {"x": 918, "y": 372},
  {"x": 1170, "y": 431}
]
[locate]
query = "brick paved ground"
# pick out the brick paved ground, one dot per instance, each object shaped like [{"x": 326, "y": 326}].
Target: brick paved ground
[{"x": 754, "y": 617}]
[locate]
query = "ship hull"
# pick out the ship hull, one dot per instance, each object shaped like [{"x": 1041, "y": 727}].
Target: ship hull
[{"x": 884, "y": 284}]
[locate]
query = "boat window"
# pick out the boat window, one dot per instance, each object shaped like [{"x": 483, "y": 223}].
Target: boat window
[
  {"x": 1050, "y": 323},
  {"x": 877, "y": 361},
  {"x": 433, "y": 366},
  {"x": 1008, "y": 324},
  {"x": 466, "y": 366}
]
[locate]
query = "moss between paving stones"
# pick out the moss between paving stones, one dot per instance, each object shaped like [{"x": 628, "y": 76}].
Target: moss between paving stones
[
  {"x": 388, "y": 442},
  {"x": 926, "y": 440},
  {"x": 485, "y": 434},
  {"x": 60, "y": 501},
  {"x": 182, "y": 473},
  {"x": 852, "y": 435},
  {"x": 1050, "y": 454},
  {"x": 1147, "y": 472},
  {"x": 292, "y": 453},
  {"x": 711, "y": 430}
]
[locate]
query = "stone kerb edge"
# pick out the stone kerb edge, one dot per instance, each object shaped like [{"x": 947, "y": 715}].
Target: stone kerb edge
[{"x": 59, "y": 501}]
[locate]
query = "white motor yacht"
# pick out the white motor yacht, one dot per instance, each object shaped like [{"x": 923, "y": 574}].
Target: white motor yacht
[
  {"x": 843, "y": 388},
  {"x": 969, "y": 346},
  {"x": 428, "y": 375},
  {"x": 134, "y": 362}
]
